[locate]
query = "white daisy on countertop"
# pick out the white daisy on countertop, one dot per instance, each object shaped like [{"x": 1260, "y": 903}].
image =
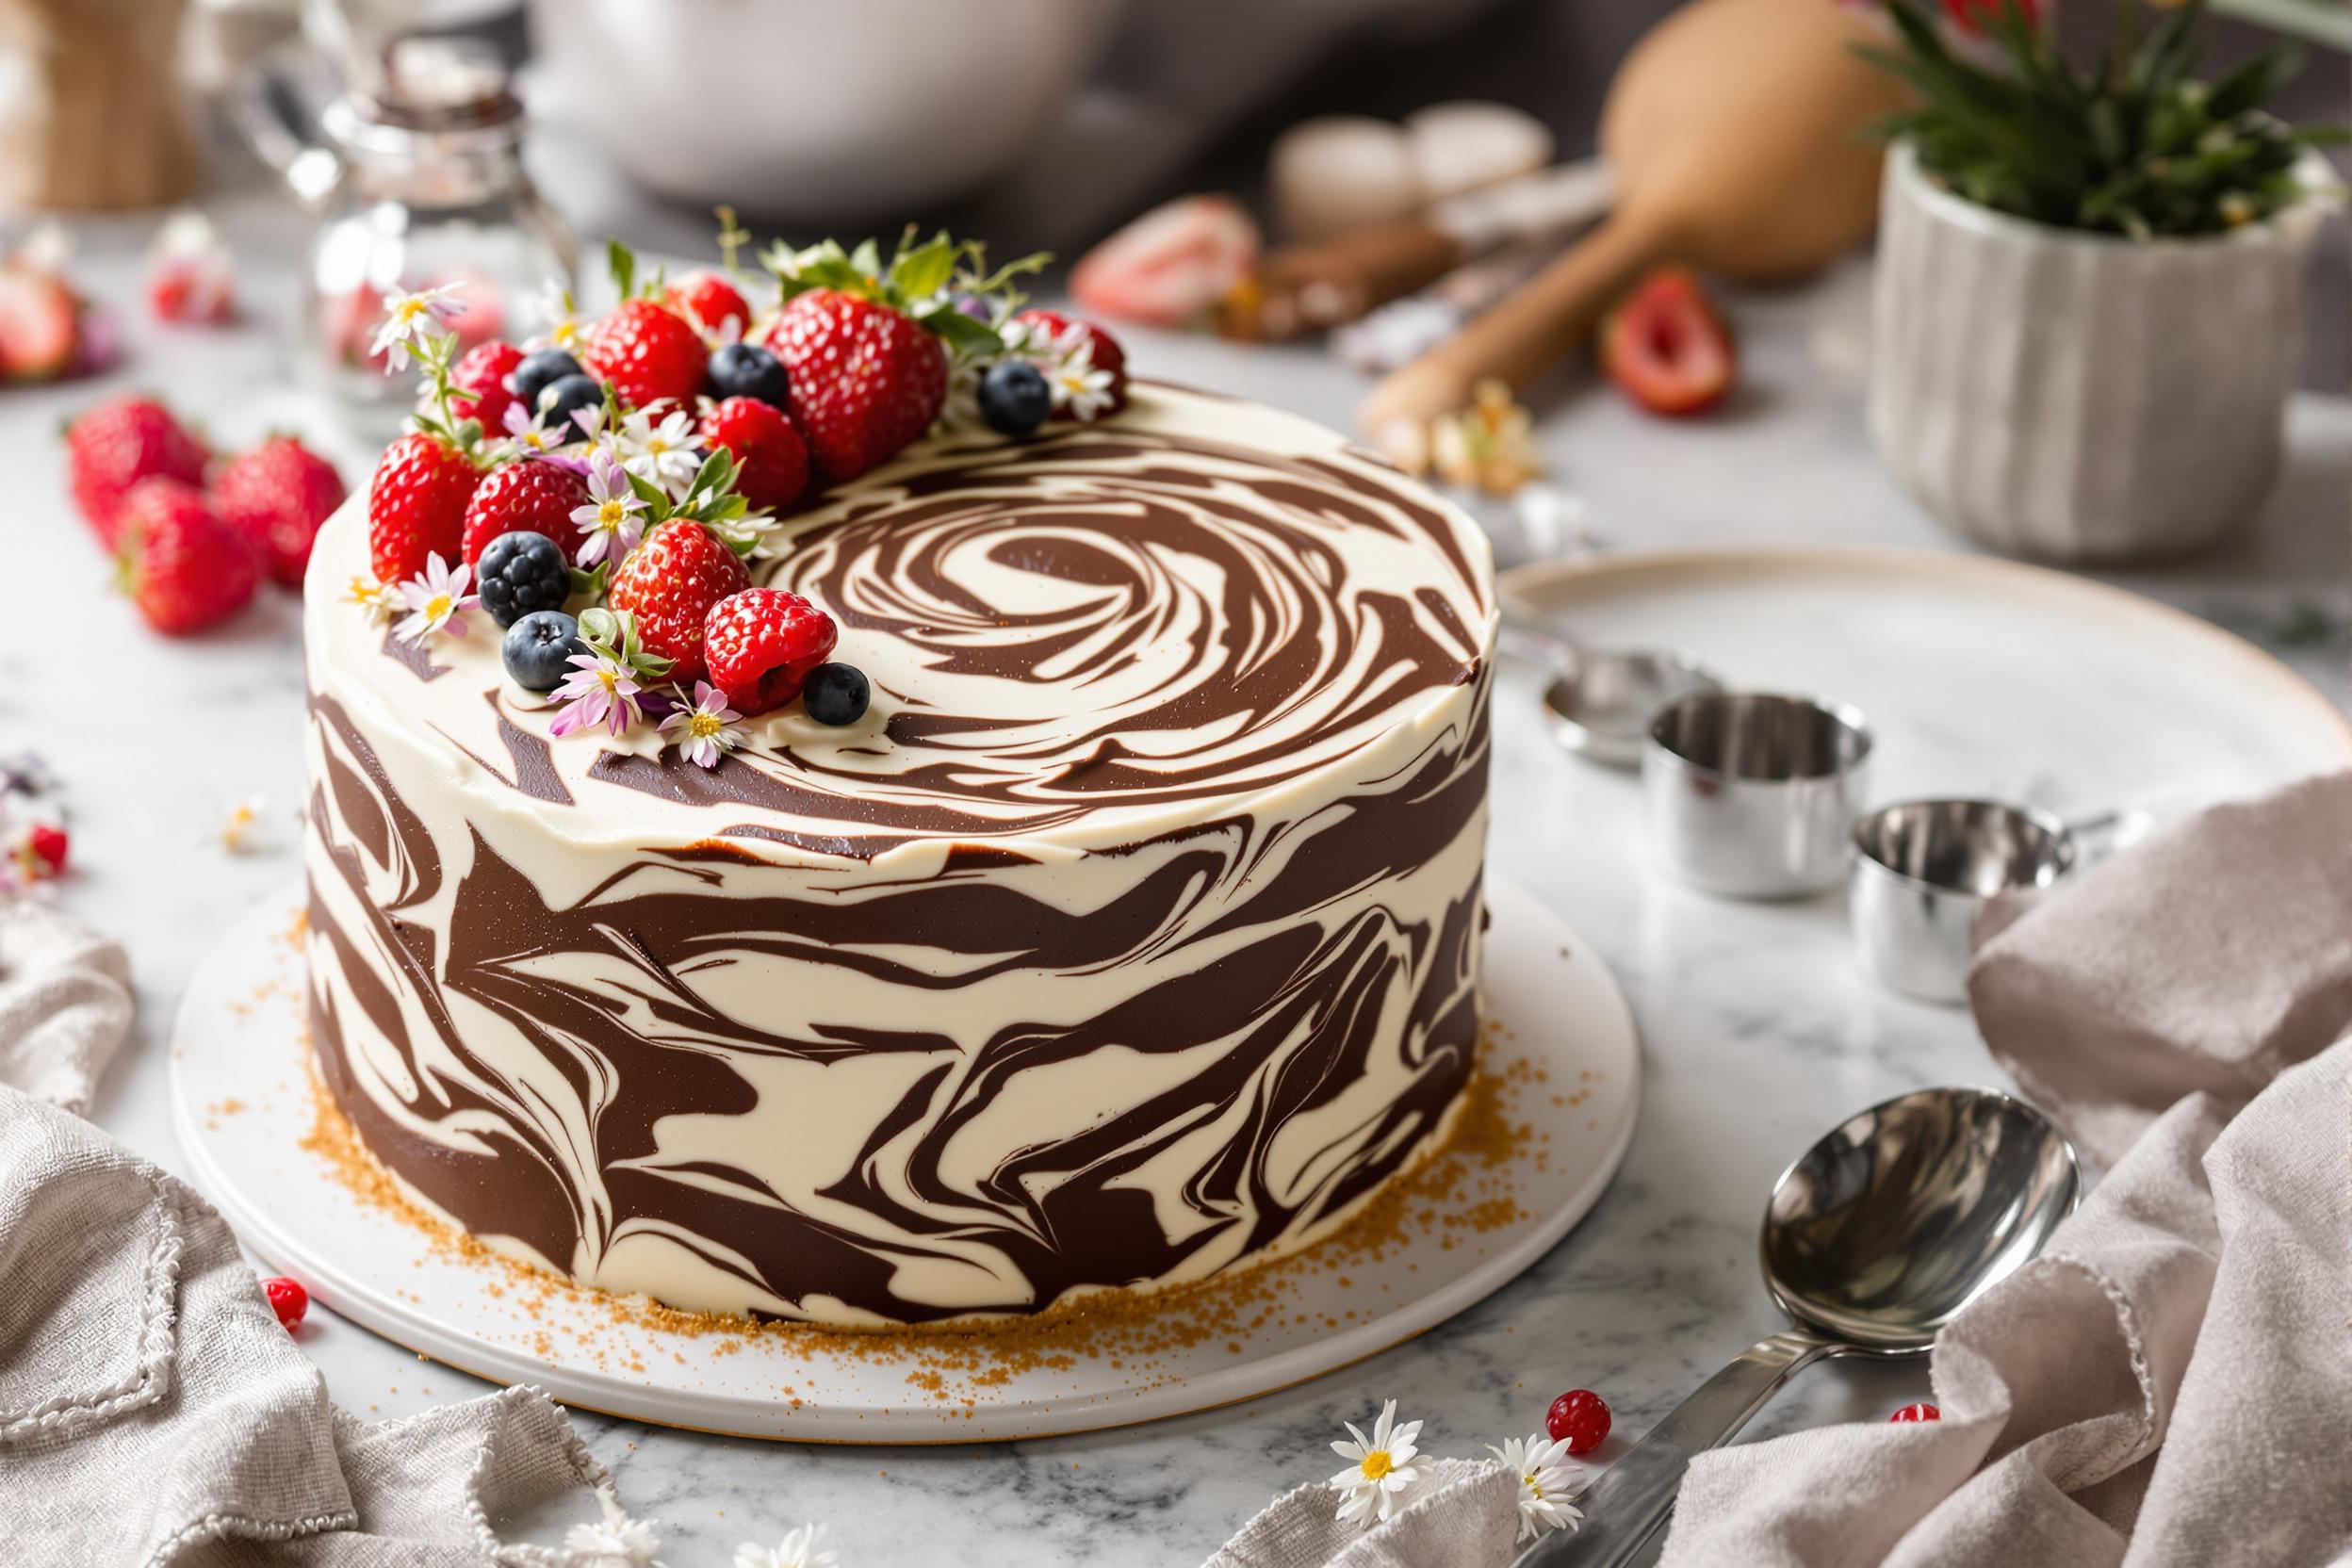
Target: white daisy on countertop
[
  {"x": 409, "y": 319},
  {"x": 1380, "y": 1468},
  {"x": 798, "y": 1549},
  {"x": 705, "y": 732},
  {"x": 437, "y": 601},
  {"x": 660, "y": 452},
  {"x": 1547, "y": 1479},
  {"x": 616, "y": 1541}
]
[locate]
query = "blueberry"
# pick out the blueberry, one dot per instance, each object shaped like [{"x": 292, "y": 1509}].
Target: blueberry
[
  {"x": 566, "y": 396},
  {"x": 519, "y": 573},
  {"x": 1014, "y": 398},
  {"x": 539, "y": 371},
  {"x": 748, "y": 371},
  {"x": 836, "y": 693},
  {"x": 539, "y": 647}
]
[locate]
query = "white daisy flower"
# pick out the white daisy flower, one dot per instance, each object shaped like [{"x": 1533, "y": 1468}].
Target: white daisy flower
[
  {"x": 408, "y": 318},
  {"x": 705, "y": 732},
  {"x": 554, "y": 306},
  {"x": 798, "y": 1549},
  {"x": 1380, "y": 1470},
  {"x": 1547, "y": 1479},
  {"x": 436, "y": 600},
  {"x": 1081, "y": 388},
  {"x": 662, "y": 454},
  {"x": 376, "y": 602},
  {"x": 607, "y": 521},
  {"x": 616, "y": 1541}
]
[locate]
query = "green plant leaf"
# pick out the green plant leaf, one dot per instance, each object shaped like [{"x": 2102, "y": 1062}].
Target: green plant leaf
[{"x": 622, "y": 262}]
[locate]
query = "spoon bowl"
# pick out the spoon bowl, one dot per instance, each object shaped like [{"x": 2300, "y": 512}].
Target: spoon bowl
[
  {"x": 1881, "y": 1232},
  {"x": 1873, "y": 1241},
  {"x": 1602, "y": 709}
]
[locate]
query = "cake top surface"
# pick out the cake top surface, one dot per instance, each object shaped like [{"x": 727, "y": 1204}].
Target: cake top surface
[{"x": 1102, "y": 631}]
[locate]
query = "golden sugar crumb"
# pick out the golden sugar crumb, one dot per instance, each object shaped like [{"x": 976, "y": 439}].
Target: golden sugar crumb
[{"x": 1468, "y": 1183}]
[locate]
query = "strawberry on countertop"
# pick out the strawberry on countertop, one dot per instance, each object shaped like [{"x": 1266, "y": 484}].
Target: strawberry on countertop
[
  {"x": 183, "y": 567},
  {"x": 275, "y": 496},
  {"x": 117, "y": 443}
]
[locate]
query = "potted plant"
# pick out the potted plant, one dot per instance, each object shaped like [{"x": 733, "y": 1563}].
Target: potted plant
[{"x": 2089, "y": 284}]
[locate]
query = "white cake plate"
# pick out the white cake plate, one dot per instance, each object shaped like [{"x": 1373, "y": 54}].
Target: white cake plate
[{"x": 1561, "y": 1045}]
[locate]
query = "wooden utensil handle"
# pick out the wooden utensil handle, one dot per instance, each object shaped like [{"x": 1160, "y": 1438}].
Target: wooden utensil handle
[{"x": 1523, "y": 334}]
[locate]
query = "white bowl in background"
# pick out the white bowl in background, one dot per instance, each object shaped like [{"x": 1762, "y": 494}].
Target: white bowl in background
[{"x": 811, "y": 107}]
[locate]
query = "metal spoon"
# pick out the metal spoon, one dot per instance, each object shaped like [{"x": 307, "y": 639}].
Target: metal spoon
[
  {"x": 1872, "y": 1241},
  {"x": 1600, "y": 701}
]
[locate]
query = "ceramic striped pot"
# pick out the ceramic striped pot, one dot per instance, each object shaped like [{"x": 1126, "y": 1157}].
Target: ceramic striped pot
[{"x": 2076, "y": 397}]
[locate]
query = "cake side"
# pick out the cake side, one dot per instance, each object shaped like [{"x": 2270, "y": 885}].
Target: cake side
[{"x": 1135, "y": 933}]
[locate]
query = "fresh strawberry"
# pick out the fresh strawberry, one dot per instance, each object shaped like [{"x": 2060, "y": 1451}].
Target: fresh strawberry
[
  {"x": 669, "y": 583},
  {"x": 646, "y": 353},
  {"x": 182, "y": 566},
  {"x": 276, "y": 496},
  {"x": 40, "y": 324},
  {"x": 760, "y": 646},
  {"x": 1171, "y": 265},
  {"x": 478, "y": 383},
  {"x": 47, "y": 846},
  {"x": 865, "y": 377},
  {"x": 183, "y": 292},
  {"x": 416, "y": 505},
  {"x": 118, "y": 443},
  {"x": 773, "y": 459},
  {"x": 532, "y": 496},
  {"x": 1666, "y": 348},
  {"x": 706, "y": 300},
  {"x": 1107, "y": 356}
]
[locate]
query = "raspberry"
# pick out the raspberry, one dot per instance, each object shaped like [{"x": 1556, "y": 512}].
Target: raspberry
[
  {"x": 646, "y": 354},
  {"x": 773, "y": 458},
  {"x": 118, "y": 443},
  {"x": 480, "y": 381},
  {"x": 1579, "y": 1417},
  {"x": 669, "y": 583},
  {"x": 184, "y": 567},
  {"x": 48, "y": 845},
  {"x": 276, "y": 496},
  {"x": 760, "y": 646},
  {"x": 531, "y": 495},
  {"x": 416, "y": 505},
  {"x": 288, "y": 1299}
]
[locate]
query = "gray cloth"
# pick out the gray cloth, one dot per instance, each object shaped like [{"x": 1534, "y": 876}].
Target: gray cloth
[
  {"x": 152, "y": 1408},
  {"x": 1462, "y": 1511},
  {"x": 2167, "y": 1384}
]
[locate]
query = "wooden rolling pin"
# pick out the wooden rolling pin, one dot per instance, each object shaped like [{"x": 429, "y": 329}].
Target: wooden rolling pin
[{"x": 1732, "y": 131}]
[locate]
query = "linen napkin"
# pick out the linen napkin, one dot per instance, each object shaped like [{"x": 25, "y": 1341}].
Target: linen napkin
[
  {"x": 1463, "y": 1512},
  {"x": 152, "y": 1408},
  {"x": 2167, "y": 1383}
]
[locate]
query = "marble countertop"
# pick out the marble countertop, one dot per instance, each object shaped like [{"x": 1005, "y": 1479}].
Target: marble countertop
[{"x": 155, "y": 741}]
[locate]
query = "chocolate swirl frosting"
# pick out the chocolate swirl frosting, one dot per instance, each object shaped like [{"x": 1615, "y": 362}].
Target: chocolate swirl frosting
[{"x": 1134, "y": 934}]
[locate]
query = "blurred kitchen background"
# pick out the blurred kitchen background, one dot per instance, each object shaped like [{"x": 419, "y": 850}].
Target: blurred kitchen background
[{"x": 495, "y": 140}]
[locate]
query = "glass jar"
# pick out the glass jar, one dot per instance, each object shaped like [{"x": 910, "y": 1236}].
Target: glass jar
[{"x": 424, "y": 186}]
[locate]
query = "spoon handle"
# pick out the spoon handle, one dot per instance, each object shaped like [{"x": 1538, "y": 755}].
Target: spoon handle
[
  {"x": 1625, "y": 1508},
  {"x": 1538, "y": 645}
]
